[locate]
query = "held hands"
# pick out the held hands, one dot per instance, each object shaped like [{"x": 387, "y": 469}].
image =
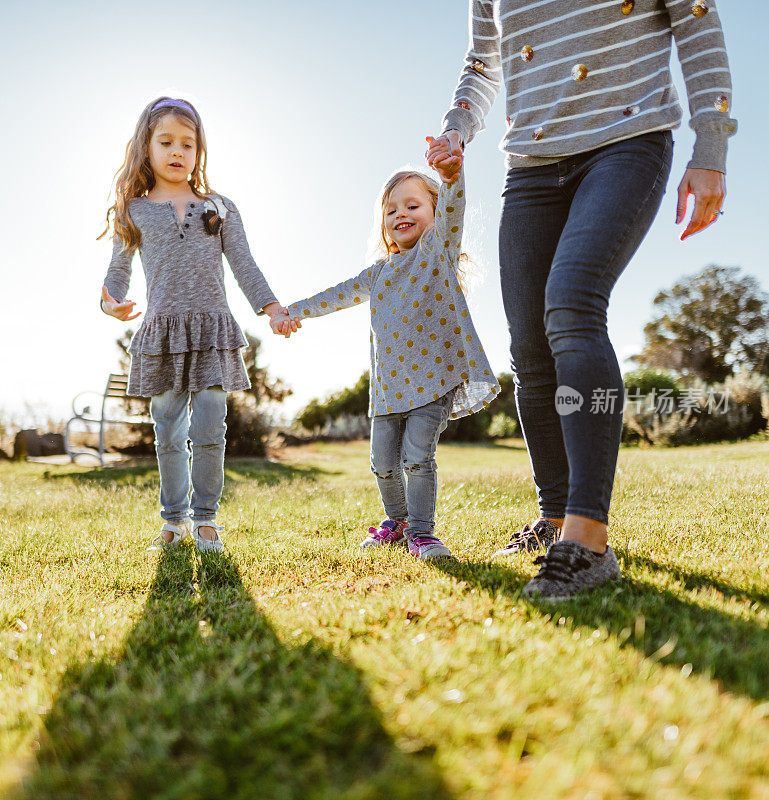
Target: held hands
[
  {"x": 709, "y": 190},
  {"x": 121, "y": 311},
  {"x": 280, "y": 321},
  {"x": 444, "y": 155}
]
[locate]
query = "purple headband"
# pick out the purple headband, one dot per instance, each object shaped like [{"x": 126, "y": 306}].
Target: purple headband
[{"x": 175, "y": 104}]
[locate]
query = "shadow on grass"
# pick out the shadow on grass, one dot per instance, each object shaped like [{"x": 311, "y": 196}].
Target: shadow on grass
[
  {"x": 206, "y": 702},
  {"x": 658, "y": 623},
  {"x": 260, "y": 471}
]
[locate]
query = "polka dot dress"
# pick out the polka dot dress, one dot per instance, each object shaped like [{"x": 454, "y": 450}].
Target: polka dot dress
[{"x": 423, "y": 341}]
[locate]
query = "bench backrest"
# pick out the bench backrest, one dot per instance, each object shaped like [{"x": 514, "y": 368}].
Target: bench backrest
[{"x": 117, "y": 385}]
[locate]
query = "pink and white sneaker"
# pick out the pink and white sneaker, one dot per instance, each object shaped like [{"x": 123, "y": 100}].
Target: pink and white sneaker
[
  {"x": 389, "y": 532},
  {"x": 425, "y": 546}
]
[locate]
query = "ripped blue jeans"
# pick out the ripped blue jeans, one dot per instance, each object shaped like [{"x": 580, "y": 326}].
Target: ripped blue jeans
[{"x": 405, "y": 443}]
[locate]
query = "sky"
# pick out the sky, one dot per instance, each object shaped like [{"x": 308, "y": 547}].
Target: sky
[{"x": 308, "y": 107}]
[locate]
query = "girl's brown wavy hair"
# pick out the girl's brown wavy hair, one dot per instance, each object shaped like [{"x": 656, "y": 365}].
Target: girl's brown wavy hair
[
  {"x": 135, "y": 178},
  {"x": 385, "y": 245}
]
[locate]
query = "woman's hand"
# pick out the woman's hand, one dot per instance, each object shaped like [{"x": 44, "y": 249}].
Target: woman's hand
[
  {"x": 709, "y": 189},
  {"x": 121, "y": 311},
  {"x": 445, "y": 157}
]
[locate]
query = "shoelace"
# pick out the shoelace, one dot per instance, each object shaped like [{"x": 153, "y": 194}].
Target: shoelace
[
  {"x": 383, "y": 532},
  {"x": 560, "y": 566},
  {"x": 424, "y": 539}
]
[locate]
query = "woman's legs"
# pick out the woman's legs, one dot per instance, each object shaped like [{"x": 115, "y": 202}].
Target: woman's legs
[
  {"x": 615, "y": 194},
  {"x": 170, "y": 413},
  {"x": 207, "y": 430},
  {"x": 386, "y": 442},
  {"x": 567, "y": 232},
  {"x": 534, "y": 212}
]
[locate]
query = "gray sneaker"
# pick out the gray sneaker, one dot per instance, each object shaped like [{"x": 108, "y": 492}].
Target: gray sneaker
[
  {"x": 207, "y": 545},
  {"x": 569, "y": 567},
  {"x": 540, "y": 536},
  {"x": 425, "y": 546}
]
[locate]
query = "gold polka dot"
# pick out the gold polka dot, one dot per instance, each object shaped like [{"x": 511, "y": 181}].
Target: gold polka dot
[
  {"x": 455, "y": 229},
  {"x": 415, "y": 304},
  {"x": 452, "y": 307},
  {"x": 450, "y": 209},
  {"x": 356, "y": 300},
  {"x": 423, "y": 351},
  {"x": 385, "y": 326},
  {"x": 436, "y": 396},
  {"x": 420, "y": 389},
  {"x": 443, "y": 383},
  {"x": 413, "y": 279},
  {"x": 438, "y": 359},
  {"x": 323, "y": 304},
  {"x": 453, "y": 416},
  {"x": 411, "y": 403},
  {"x": 415, "y": 367},
  {"x": 579, "y": 72},
  {"x": 306, "y": 312},
  {"x": 356, "y": 286},
  {"x": 388, "y": 283},
  {"x": 380, "y": 296},
  {"x": 472, "y": 362},
  {"x": 438, "y": 214},
  {"x": 420, "y": 327},
  {"x": 436, "y": 271},
  {"x": 429, "y": 375},
  {"x": 450, "y": 367},
  {"x": 373, "y": 310},
  {"x": 439, "y": 297},
  {"x": 389, "y": 409},
  {"x": 443, "y": 258},
  {"x": 398, "y": 395},
  {"x": 341, "y": 296},
  {"x": 388, "y": 349},
  {"x": 457, "y": 330},
  {"x": 393, "y": 373},
  {"x": 464, "y": 376},
  {"x": 384, "y": 386},
  {"x": 429, "y": 312},
  {"x": 480, "y": 348},
  {"x": 464, "y": 313},
  {"x": 461, "y": 353},
  {"x": 423, "y": 264},
  {"x": 409, "y": 343},
  {"x": 405, "y": 320},
  {"x": 425, "y": 288},
  {"x": 699, "y": 8},
  {"x": 442, "y": 320},
  {"x": 401, "y": 359},
  {"x": 485, "y": 372},
  {"x": 446, "y": 282},
  {"x": 378, "y": 378},
  {"x": 407, "y": 380},
  {"x": 460, "y": 193},
  {"x": 468, "y": 338},
  {"x": 447, "y": 345},
  {"x": 395, "y": 334}
]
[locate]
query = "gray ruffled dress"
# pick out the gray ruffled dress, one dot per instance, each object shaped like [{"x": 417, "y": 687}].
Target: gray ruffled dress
[{"x": 188, "y": 340}]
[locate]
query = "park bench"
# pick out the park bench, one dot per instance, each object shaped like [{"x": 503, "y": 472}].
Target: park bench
[{"x": 116, "y": 390}]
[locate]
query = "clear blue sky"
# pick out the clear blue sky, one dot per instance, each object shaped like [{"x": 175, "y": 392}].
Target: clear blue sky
[{"x": 308, "y": 106}]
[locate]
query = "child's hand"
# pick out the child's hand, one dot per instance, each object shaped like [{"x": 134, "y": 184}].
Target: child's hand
[
  {"x": 280, "y": 321},
  {"x": 121, "y": 311},
  {"x": 445, "y": 157}
]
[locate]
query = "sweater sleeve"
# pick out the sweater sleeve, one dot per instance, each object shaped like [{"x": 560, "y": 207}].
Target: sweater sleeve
[
  {"x": 351, "y": 292},
  {"x": 702, "y": 53},
  {"x": 481, "y": 77},
  {"x": 449, "y": 217},
  {"x": 248, "y": 275},
  {"x": 119, "y": 271}
]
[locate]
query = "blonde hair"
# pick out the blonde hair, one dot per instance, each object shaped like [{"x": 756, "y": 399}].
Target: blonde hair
[
  {"x": 135, "y": 177},
  {"x": 385, "y": 245}
]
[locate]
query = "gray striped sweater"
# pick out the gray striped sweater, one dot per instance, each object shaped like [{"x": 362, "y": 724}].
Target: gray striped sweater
[{"x": 579, "y": 74}]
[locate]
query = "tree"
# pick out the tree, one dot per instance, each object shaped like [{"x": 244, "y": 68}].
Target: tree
[{"x": 709, "y": 325}]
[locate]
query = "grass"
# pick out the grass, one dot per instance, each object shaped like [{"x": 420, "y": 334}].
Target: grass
[{"x": 297, "y": 666}]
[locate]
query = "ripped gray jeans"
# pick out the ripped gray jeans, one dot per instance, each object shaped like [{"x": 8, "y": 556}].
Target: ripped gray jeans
[{"x": 405, "y": 443}]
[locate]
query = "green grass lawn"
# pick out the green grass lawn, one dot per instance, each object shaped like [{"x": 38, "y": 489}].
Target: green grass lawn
[{"x": 298, "y": 666}]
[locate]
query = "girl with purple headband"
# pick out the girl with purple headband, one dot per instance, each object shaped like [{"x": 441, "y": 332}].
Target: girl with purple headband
[{"x": 186, "y": 354}]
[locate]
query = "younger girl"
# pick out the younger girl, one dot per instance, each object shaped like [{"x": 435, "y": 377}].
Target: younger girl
[
  {"x": 427, "y": 364},
  {"x": 186, "y": 353}
]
